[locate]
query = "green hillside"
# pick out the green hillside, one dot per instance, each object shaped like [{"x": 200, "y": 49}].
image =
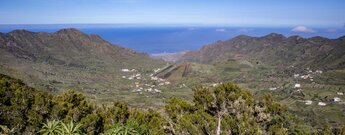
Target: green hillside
[
  {"x": 270, "y": 65},
  {"x": 69, "y": 58},
  {"x": 274, "y": 64},
  {"x": 276, "y": 50},
  {"x": 225, "y": 109}
]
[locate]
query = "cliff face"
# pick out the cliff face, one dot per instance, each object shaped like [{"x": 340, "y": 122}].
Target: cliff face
[{"x": 276, "y": 50}]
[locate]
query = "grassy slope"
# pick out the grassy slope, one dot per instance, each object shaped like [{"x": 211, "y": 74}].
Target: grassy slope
[
  {"x": 259, "y": 78},
  {"x": 69, "y": 59}
]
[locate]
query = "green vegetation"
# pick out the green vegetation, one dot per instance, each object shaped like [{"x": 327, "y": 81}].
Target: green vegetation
[
  {"x": 224, "y": 110},
  {"x": 260, "y": 78},
  {"x": 121, "y": 130},
  {"x": 271, "y": 61},
  {"x": 26, "y": 110},
  {"x": 51, "y": 128},
  {"x": 70, "y": 59}
]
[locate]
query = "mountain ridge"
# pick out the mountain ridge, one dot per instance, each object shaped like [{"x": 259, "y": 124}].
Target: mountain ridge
[
  {"x": 275, "y": 49},
  {"x": 68, "y": 55},
  {"x": 44, "y": 42}
]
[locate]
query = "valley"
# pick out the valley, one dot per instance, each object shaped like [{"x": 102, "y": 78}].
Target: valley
[
  {"x": 172, "y": 67},
  {"x": 307, "y": 75}
]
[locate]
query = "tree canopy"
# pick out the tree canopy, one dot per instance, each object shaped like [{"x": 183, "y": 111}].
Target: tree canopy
[{"x": 224, "y": 110}]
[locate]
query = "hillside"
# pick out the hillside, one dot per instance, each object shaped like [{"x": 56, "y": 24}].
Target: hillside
[
  {"x": 69, "y": 58},
  {"x": 226, "y": 109},
  {"x": 275, "y": 50},
  {"x": 275, "y": 65}
]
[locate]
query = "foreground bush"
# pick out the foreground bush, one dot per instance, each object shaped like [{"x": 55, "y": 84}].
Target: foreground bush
[
  {"x": 229, "y": 110},
  {"x": 224, "y": 110},
  {"x": 24, "y": 110}
]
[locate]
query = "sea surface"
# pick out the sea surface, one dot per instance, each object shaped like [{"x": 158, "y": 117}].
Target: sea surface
[{"x": 156, "y": 39}]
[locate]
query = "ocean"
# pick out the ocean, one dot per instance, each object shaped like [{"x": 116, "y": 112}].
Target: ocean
[{"x": 170, "y": 39}]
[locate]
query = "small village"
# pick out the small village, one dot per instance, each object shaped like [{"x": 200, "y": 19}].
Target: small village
[
  {"x": 148, "y": 83},
  {"x": 308, "y": 78}
]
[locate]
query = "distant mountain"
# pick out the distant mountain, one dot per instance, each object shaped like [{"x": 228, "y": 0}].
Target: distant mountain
[
  {"x": 275, "y": 50},
  {"x": 68, "y": 57}
]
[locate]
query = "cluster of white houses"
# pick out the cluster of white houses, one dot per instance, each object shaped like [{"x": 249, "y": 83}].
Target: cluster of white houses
[
  {"x": 150, "y": 89},
  {"x": 141, "y": 87},
  {"x": 335, "y": 99},
  {"x": 310, "y": 102},
  {"x": 134, "y": 76},
  {"x": 309, "y": 75}
]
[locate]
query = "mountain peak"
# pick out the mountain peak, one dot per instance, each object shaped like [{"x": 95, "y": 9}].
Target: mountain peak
[
  {"x": 69, "y": 31},
  {"x": 319, "y": 39},
  {"x": 240, "y": 37},
  {"x": 20, "y": 31},
  {"x": 274, "y": 35}
]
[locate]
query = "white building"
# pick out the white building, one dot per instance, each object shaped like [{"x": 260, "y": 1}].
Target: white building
[
  {"x": 272, "y": 89},
  {"x": 154, "y": 78},
  {"x": 340, "y": 93},
  {"x": 158, "y": 91},
  {"x": 321, "y": 104},
  {"x": 125, "y": 70},
  {"x": 296, "y": 75},
  {"x": 149, "y": 89},
  {"x": 297, "y": 85},
  {"x": 308, "y": 102},
  {"x": 336, "y": 99}
]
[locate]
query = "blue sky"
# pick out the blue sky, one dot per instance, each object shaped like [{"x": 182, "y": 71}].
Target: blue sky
[{"x": 311, "y": 13}]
